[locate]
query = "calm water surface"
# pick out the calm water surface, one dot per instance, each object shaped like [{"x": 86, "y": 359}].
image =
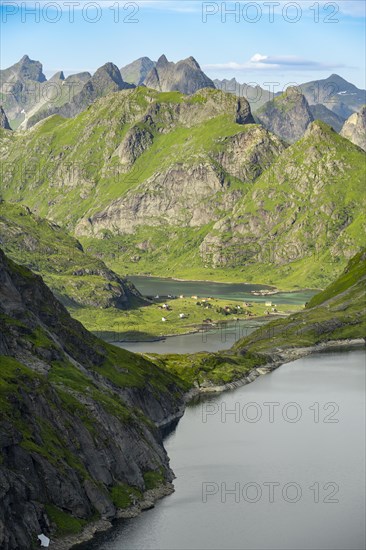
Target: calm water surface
[
  {"x": 208, "y": 339},
  {"x": 321, "y": 456},
  {"x": 152, "y": 286}
]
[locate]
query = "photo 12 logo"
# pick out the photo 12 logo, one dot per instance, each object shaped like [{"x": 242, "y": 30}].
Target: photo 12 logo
[
  {"x": 271, "y": 412},
  {"x": 256, "y": 12},
  {"x": 69, "y": 11},
  {"x": 271, "y": 492}
]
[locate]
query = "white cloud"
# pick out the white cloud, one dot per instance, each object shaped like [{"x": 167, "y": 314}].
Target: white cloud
[{"x": 259, "y": 62}]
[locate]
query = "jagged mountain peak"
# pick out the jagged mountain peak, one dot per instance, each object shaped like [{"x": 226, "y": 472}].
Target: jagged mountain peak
[
  {"x": 25, "y": 69},
  {"x": 137, "y": 71},
  {"x": 184, "y": 76},
  {"x": 162, "y": 61},
  {"x": 192, "y": 61}
]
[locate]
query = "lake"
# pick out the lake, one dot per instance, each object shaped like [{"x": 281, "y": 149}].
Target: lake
[
  {"x": 211, "y": 339},
  {"x": 277, "y": 464},
  {"x": 152, "y": 286}
]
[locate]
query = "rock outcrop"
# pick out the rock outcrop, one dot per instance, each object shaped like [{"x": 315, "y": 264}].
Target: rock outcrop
[
  {"x": 287, "y": 115},
  {"x": 354, "y": 128}
]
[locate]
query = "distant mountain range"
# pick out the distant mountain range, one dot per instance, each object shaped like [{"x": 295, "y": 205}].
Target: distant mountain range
[{"x": 28, "y": 97}]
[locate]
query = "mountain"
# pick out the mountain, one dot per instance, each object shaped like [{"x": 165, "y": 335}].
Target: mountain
[
  {"x": 338, "y": 95},
  {"x": 233, "y": 198},
  {"x": 320, "y": 112},
  {"x": 336, "y": 314},
  {"x": 185, "y": 76},
  {"x": 354, "y": 128},
  {"x": 287, "y": 115},
  {"x": 255, "y": 95},
  {"x": 107, "y": 79},
  {"x": 133, "y": 139},
  {"x": 79, "y": 434},
  {"x": 19, "y": 87},
  {"x": 4, "y": 123},
  {"x": 75, "y": 277},
  {"x": 137, "y": 71},
  {"x": 302, "y": 219}
]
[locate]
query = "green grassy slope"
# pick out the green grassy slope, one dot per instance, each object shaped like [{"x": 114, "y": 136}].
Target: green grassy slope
[
  {"x": 337, "y": 313},
  {"x": 251, "y": 212},
  {"x": 76, "y": 278},
  {"x": 66, "y": 168},
  {"x": 303, "y": 218}
]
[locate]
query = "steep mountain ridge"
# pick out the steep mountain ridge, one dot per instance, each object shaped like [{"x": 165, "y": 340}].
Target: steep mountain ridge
[
  {"x": 139, "y": 141},
  {"x": 78, "y": 434},
  {"x": 107, "y": 79},
  {"x": 255, "y": 95}
]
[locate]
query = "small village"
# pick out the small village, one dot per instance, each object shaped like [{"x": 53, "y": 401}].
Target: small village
[{"x": 210, "y": 304}]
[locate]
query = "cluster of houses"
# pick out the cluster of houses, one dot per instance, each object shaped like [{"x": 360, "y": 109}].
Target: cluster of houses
[
  {"x": 272, "y": 306},
  {"x": 227, "y": 310}
]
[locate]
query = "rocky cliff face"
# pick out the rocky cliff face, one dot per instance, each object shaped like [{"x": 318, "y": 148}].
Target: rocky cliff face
[
  {"x": 78, "y": 434},
  {"x": 287, "y": 115},
  {"x": 169, "y": 198},
  {"x": 185, "y": 76},
  {"x": 4, "y": 123},
  {"x": 354, "y": 128}
]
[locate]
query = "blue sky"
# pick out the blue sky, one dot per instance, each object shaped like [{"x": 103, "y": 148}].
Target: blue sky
[{"x": 284, "y": 42}]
